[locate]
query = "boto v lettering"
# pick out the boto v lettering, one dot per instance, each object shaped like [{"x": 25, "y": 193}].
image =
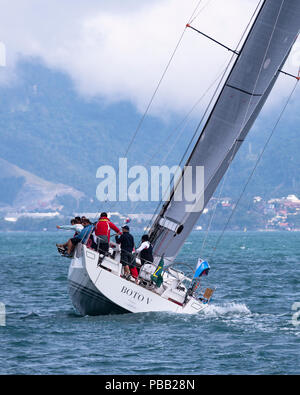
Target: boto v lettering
[{"x": 135, "y": 295}]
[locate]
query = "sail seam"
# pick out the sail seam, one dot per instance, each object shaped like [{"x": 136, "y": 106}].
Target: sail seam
[
  {"x": 248, "y": 114},
  {"x": 255, "y": 167},
  {"x": 243, "y": 91},
  {"x": 153, "y": 233},
  {"x": 235, "y": 144}
]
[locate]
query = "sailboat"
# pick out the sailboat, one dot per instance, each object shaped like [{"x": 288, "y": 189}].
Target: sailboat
[{"x": 96, "y": 284}]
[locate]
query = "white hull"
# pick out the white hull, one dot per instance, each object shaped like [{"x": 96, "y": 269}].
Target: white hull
[
  {"x": 99, "y": 290},
  {"x": 85, "y": 297}
]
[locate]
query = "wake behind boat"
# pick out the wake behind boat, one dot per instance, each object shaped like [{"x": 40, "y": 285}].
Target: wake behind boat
[{"x": 96, "y": 284}]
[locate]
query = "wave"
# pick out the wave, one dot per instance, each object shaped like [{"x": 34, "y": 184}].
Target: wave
[
  {"x": 30, "y": 315},
  {"x": 226, "y": 309}
]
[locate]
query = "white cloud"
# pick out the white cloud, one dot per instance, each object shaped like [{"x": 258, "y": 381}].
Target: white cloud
[{"x": 119, "y": 49}]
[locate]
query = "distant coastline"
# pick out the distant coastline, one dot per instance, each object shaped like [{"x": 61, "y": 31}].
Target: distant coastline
[{"x": 258, "y": 214}]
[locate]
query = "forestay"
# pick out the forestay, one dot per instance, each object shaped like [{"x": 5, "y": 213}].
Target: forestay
[{"x": 244, "y": 93}]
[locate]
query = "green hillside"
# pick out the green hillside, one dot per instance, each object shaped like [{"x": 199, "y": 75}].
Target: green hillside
[{"x": 50, "y": 131}]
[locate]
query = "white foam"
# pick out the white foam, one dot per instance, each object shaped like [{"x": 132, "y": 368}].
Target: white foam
[{"x": 227, "y": 309}]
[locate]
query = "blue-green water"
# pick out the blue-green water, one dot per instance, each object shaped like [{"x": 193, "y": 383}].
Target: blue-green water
[{"x": 247, "y": 329}]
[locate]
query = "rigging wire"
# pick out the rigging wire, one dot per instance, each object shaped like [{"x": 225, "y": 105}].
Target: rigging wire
[
  {"x": 235, "y": 144},
  {"x": 214, "y": 95},
  {"x": 139, "y": 126},
  {"x": 194, "y": 136},
  {"x": 154, "y": 94},
  {"x": 226, "y": 174},
  {"x": 258, "y": 7},
  {"x": 201, "y": 10},
  {"x": 255, "y": 167},
  {"x": 180, "y": 127},
  {"x": 220, "y": 75},
  {"x": 151, "y": 100},
  {"x": 193, "y": 17},
  {"x": 244, "y": 123}
]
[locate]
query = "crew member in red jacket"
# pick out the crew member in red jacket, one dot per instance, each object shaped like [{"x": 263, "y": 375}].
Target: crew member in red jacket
[{"x": 102, "y": 230}]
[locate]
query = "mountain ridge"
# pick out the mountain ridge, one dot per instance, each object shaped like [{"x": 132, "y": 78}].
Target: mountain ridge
[
  {"x": 27, "y": 191},
  {"x": 50, "y": 131}
]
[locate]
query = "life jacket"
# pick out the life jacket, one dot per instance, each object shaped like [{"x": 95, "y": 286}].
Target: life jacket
[{"x": 103, "y": 228}]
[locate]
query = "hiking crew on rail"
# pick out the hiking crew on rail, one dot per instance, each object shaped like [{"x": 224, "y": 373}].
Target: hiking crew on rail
[{"x": 97, "y": 236}]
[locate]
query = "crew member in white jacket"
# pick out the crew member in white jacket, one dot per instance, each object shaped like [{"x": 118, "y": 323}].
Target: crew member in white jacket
[{"x": 76, "y": 226}]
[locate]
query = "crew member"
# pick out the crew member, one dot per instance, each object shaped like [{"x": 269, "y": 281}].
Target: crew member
[
  {"x": 126, "y": 241},
  {"x": 83, "y": 236},
  {"x": 145, "y": 250},
  {"x": 76, "y": 226},
  {"x": 102, "y": 231}
]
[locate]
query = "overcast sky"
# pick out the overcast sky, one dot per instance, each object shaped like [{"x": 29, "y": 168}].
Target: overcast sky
[{"x": 118, "y": 49}]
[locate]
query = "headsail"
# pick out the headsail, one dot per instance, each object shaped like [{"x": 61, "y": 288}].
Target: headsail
[{"x": 244, "y": 93}]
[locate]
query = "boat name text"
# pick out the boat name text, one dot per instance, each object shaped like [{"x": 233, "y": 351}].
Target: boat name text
[{"x": 135, "y": 295}]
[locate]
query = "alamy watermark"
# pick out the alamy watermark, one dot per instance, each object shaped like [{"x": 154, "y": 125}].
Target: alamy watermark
[
  {"x": 2, "y": 55},
  {"x": 296, "y": 315},
  {"x": 2, "y": 314},
  {"x": 141, "y": 184}
]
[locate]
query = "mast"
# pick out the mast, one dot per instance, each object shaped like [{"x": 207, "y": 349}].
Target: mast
[{"x": 242, "y": 97}]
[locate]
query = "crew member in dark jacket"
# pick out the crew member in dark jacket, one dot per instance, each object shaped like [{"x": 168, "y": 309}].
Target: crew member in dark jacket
[
  {"x": 126, "y": 241},
  {"x": 145, "y": 250}
]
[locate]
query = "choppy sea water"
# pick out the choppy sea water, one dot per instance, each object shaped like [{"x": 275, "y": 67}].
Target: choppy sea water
[{"x": 249, "y": 327}]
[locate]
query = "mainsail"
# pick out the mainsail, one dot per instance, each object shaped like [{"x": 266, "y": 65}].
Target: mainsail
[{"x": 243, "y": 95}]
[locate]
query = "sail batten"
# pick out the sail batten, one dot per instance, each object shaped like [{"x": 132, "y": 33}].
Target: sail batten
[{"x": 242, "y": 97}]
